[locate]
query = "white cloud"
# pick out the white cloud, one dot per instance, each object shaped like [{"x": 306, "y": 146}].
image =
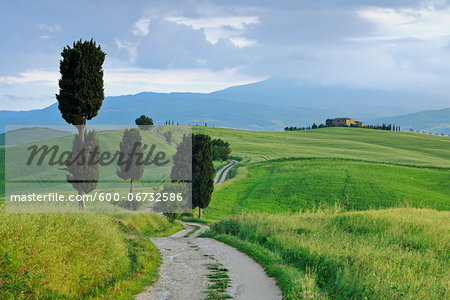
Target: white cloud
[
  {"x": 50, "y": 29},
  {"x": 243, "y": 42},
  {"x": 134, "y": 80},
  {"x": 141, "y": 27},
  {"x": 120, "y": 81},
  {"x": 46, "y": 77},
  {"x": 237, "y": 22},
  {"x": 425, "y": 23},
  {"x": 128, "y": 46},
  {"x": 216, "y": 28}
]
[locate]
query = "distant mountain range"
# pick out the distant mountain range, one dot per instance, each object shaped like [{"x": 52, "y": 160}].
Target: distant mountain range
[
  {"x": 267, "y": 105},
  {"x": 356, "y": 102}
]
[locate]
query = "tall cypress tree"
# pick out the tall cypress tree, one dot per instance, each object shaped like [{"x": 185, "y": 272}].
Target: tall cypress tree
[
  {"x": 131, "y": 167},
  {"x": 202, "y": 172},
  {"x": 80, "y": 98},
  {"x": 81, "y": 85},
  {"x": 182, "y": 161},
  {"x": 82, "y": 164}
]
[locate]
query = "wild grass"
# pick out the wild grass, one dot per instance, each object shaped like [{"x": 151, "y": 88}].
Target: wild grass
[
  {"x": 74, "y": 255},
  {"x": 143, "y": 255},
  {"x": 150, "y": 224},
  {"x": 376, "y": 254}
]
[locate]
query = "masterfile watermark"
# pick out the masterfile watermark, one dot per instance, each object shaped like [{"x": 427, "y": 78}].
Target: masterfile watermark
[
  {"x": 94, "y": 157},
  {"x": 108, "y": 197},
  {"x": 109, "y": 168}
]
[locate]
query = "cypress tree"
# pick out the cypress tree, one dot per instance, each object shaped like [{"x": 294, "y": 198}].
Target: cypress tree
[
  {"x": 82, "y": 164},
  {"x": 130, "y": 160},
  {"x": 202, "y": 172},
  {"x": 81, "y": 85},
  {"x": 182, "y": 161},
  {"x": 80, "y": 98}
]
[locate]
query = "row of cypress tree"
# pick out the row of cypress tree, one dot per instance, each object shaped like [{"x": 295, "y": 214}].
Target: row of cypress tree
[{"x": 80, "y": 97}]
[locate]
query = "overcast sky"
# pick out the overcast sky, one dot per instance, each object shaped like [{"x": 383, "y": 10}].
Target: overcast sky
[{"x": 203, "y": 46}]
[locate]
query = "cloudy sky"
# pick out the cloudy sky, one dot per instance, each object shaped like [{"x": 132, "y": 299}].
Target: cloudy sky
[{"x": 203, "y": 46}]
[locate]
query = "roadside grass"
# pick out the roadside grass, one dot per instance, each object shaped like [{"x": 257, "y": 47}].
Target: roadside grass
[
  {"x": 143, "y": 255},
  {"x": 291, "y": 185},
  {"x": 194, "y": 220},
  {"x": 78, "y": 255},
  {"x": 150, "y": 224},
  {"x": 375, "y": 254}
]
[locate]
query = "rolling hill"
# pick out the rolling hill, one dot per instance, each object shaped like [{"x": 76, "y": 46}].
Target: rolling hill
[{"x": 353, "y": 168}]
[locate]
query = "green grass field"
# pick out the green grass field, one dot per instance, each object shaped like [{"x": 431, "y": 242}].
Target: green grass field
[
  {"x": 302, "y": 184},
  {"x": 351, "y": 143},
  {"x": 352, "y": 168},
  {"x": 328, "y": 254}
]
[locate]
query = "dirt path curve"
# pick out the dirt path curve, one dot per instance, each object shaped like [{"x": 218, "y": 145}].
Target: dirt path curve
[
  {"x": 155, "y": 132},
  {"x": 221, "y": 175},
  {"x": 185, "y": 266}
]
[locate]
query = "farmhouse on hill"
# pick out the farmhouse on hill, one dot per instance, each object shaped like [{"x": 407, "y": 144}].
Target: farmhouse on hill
[{"x": 346, "y": 122}]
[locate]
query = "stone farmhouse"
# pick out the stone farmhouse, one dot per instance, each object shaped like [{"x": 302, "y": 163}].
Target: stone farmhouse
[{"x": 346, "y": 122}]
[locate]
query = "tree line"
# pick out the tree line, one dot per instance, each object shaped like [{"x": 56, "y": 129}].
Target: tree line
[
  {"x": 391, "y": 127},
  {"x": 81, "y": 96},
  {"x": 328, "y": 123}
]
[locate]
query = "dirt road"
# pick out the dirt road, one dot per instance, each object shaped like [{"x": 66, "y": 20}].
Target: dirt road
[
  {"x": 162, "y": 138},
  {"x": 221, "y": 175},
  {"x": 183, "y": 274}
]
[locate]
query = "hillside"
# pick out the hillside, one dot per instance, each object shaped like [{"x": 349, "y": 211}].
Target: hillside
[
  {"x": 353, "y": 168},
  {"x": 348, "y": 143},
  {"x": 28, "y": 178},
  {"x": 432, "y": 121},
  {"x": 31, "y": 135}
]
